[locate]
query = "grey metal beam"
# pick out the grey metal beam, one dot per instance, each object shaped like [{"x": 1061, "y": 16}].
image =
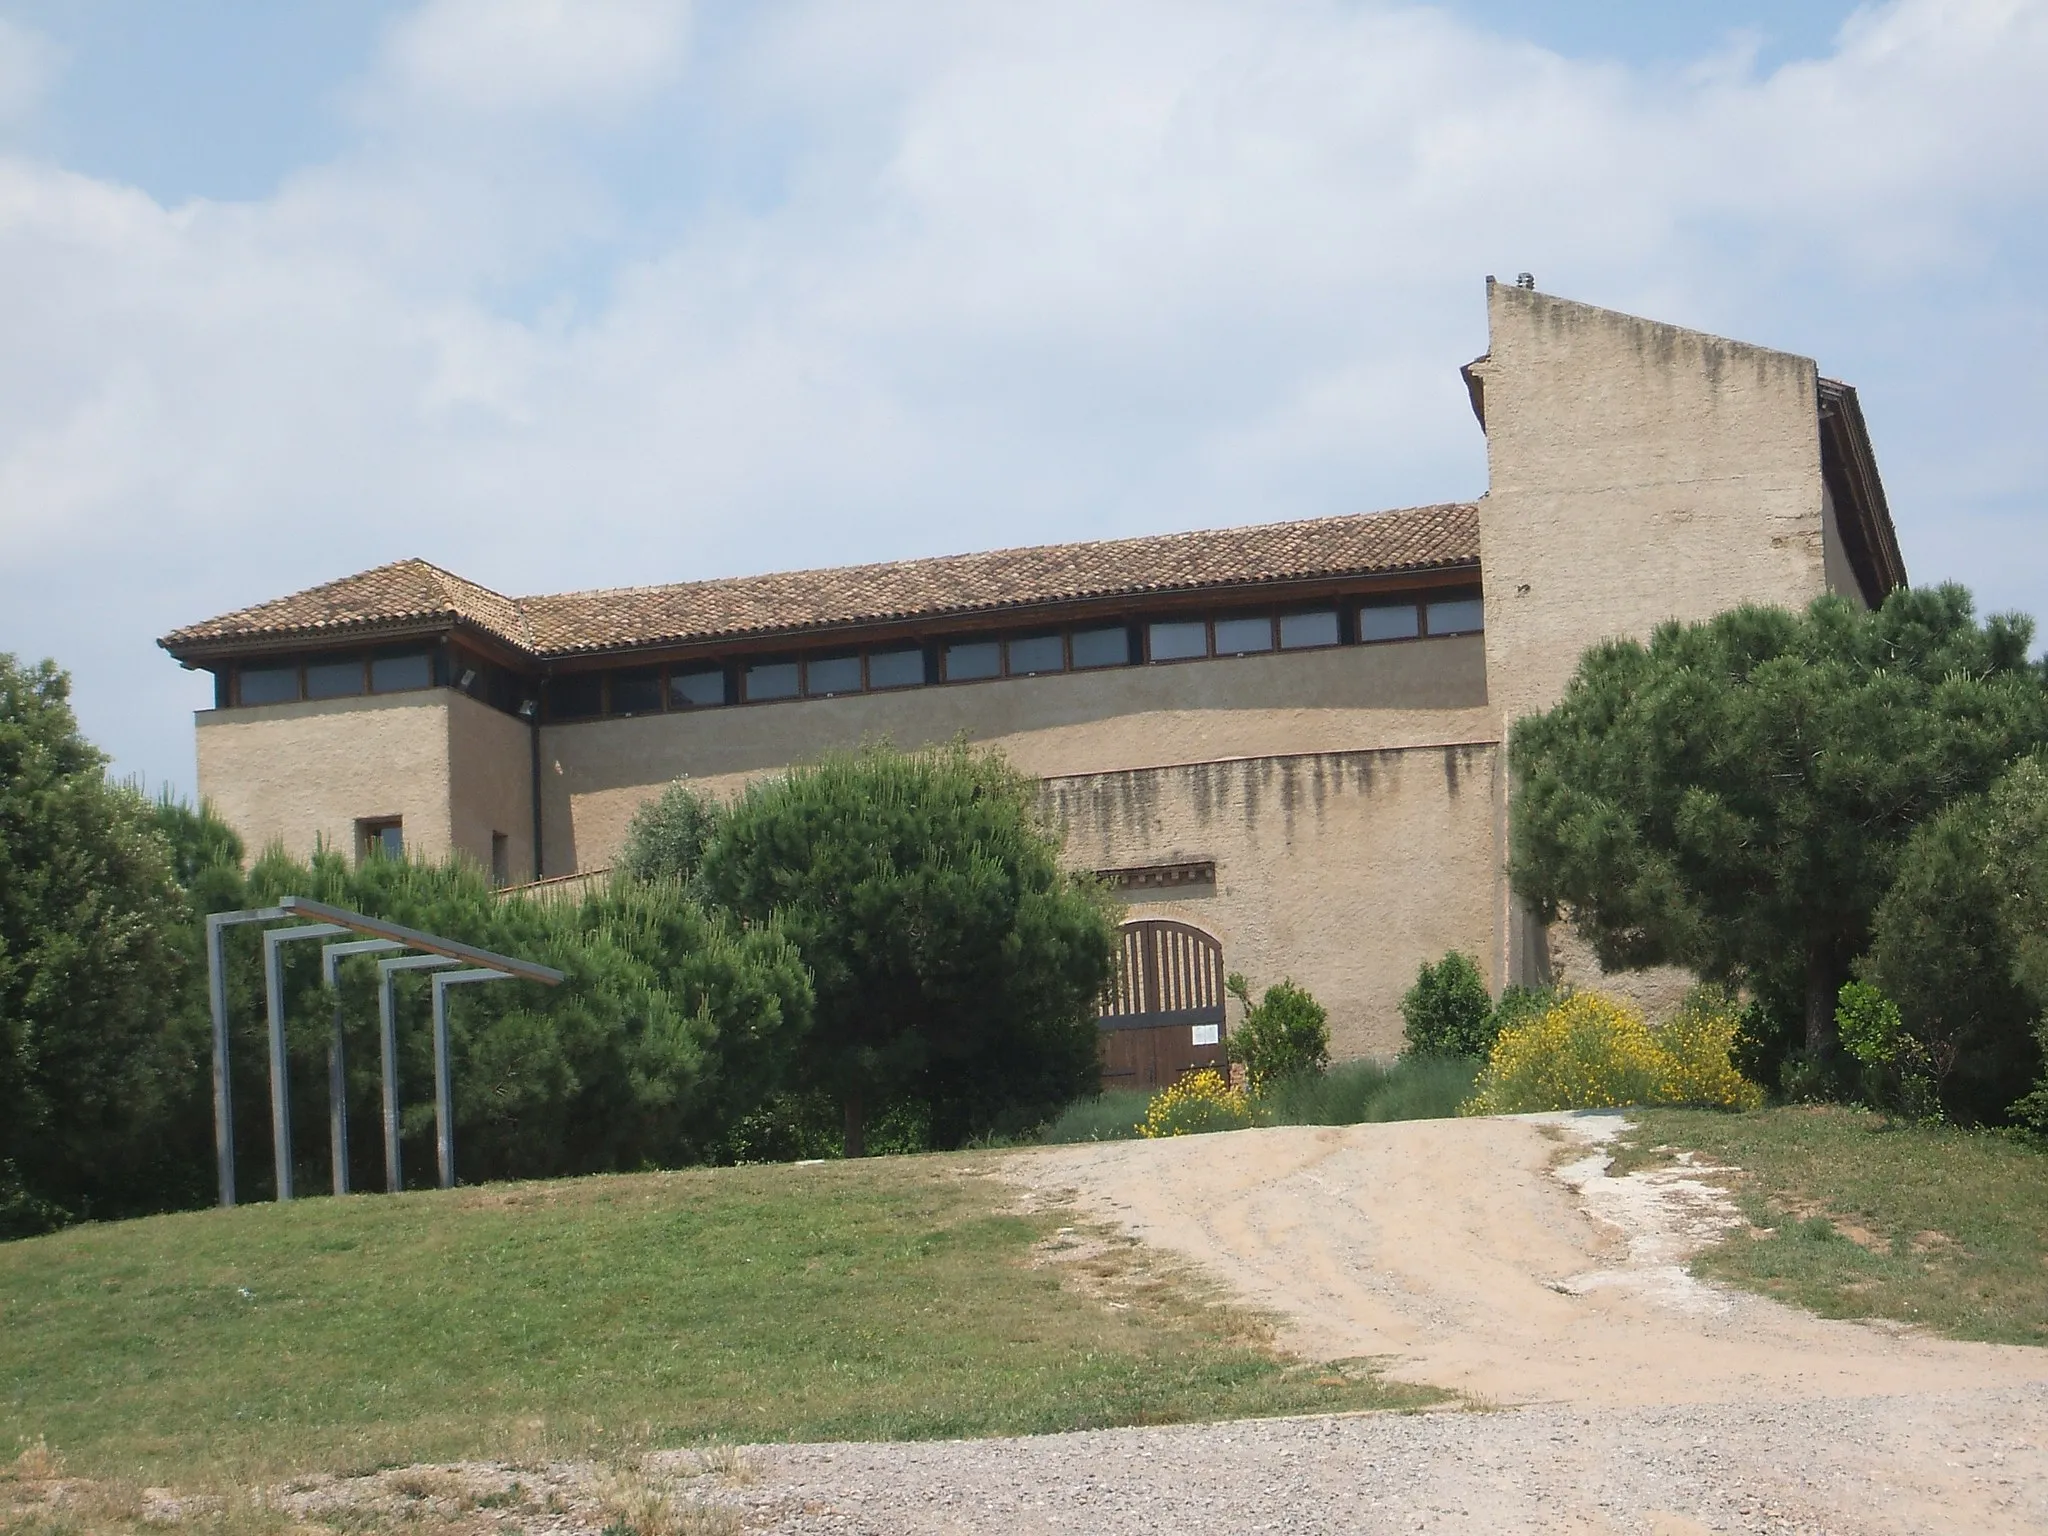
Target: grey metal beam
[
  {"x": 217, "y": 1000},
  {"x": 387, "y": 1017},
  {"x": 413, "y": 938},
  {"x": 331, "y": 956},
  {"x": 273, "y": 1003},
  {"x": 444, "y": 1101}
]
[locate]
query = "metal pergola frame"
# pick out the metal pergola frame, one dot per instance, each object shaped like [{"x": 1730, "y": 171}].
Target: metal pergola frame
[{"x": 309, "y": 919}]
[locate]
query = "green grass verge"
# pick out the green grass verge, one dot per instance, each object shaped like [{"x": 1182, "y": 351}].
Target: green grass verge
[
  {"x": 888, "y": 1298},
  {"x": 1854, "y": 1216}
]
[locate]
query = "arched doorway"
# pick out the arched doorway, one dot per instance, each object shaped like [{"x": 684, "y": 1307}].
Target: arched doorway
[{"x": 1163, "y": 1014}]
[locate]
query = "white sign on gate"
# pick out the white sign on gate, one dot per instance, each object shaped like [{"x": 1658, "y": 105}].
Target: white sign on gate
[{"x": 1205, "y": 1034}]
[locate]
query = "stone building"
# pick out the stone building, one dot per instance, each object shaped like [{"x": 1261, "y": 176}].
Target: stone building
[{"x": 1283, "y": 742}]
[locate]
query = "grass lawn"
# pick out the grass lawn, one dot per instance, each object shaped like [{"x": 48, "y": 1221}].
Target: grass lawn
[
  {"x": 1854, "y": 1216},
  {"x": 894, "y": 1298}
]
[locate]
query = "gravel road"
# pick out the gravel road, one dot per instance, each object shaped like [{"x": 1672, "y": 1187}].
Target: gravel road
[{"x": 1473, "y": 1255}]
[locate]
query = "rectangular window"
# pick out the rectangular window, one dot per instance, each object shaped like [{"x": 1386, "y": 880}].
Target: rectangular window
[
  {"x": 825, "y": 676},
  {"x": 1036, "y": 654},
  {"x": 1389, "y": 621},
  {"x": 1242, "y": 637},
  {"x": 579, "y": 696},
  {"x": 381, "y": 837},
  {"x": 771, "y": 680},
  {"x": 1304, "y": 631},
  {"x": 637, "y": 692},
  {"x": 1102, "y": 648},
  {"x": 702, "y": 689},
  {"x": 399, "y": 674},
  {"x": 895, "y": 669},
  {"x": 270, "y": 685},
  {"x": 1457, "y": 616},
  {"x": 975, "y": 659},
  {"x": 1177, "y": 641},
  {"x": 334, "y": 679},
  {"x": 501, "y": 859}
]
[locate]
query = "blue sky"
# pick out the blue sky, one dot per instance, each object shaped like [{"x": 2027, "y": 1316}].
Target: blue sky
[{"x": 614, "y": 291}]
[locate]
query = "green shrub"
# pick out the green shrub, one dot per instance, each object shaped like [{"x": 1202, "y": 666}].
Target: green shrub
[
  {"x": 1368, "y": 1092},
  {"x": 1448, "y": 1011},
  {"x": 1284, "y": 1034},
  {"x": 1112, "y": 1115},
  {"x": 1939, "y": 950},
  {"x": 955, "y": 962},
  {"x": 667, "y": 836}
]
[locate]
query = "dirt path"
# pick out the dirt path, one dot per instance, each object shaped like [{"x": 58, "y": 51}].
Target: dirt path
[{"x": 1464, "y": 1256}]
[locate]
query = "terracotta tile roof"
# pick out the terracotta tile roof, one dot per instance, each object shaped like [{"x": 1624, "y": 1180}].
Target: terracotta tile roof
[
  {"x": 410, "y": 593},
  {"x": 405, "y": 594}
]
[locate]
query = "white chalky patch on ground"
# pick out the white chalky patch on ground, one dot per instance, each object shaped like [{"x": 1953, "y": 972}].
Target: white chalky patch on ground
[{"x": 1664, "y": 1216}]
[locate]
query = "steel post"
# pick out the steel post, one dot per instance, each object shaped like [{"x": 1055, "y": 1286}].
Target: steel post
[
  {"x": 444, "y": 1100},
  {"x": 273, "y": 1003},
  {"x": 387, "y": 1018},
  {"x": 217, "y": 924},
  {"x": 331, "y": 956}
]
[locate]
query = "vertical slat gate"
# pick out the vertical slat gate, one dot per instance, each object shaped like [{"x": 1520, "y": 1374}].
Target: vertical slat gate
[{"x": 1162, "y": 1014}]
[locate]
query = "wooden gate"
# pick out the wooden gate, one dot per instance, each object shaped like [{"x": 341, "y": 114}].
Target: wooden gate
[{"x": 1163, "y": 1014}]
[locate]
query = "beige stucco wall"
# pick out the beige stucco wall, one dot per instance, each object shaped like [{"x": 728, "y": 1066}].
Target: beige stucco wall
[
  {"x": 1638, "y": 472},
  {"x": 490, "y": 767},
  {"x": 301, "y": 774},
  {"x": 595, "y": 775},
  {"x": 1343, "y": 870}
]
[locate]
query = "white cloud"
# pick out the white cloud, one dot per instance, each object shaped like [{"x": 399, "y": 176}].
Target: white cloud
[
  {"x": 900, "y": 278},
  {"x": 28, "y": 65},
  {"x": 528, "y": 55}
]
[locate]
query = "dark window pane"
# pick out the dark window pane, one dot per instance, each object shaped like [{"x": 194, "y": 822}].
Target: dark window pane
[
  {"x": 696, "y": 690},
  {"x": 1102, "y": 647},
  {"x": 396, "y": 674},
  {"x": 1300, "y": 631},
  {"x": 1039, "y": 653},
  {"x": 270, "y": 685},
  {"x": 827, "y": 675},
  {"x": 979, "y": 658},
  {"x": 1239, "y": 637},
  {"x": 1457, "y": 616},
  {"x": 579, "y": 696},
  {"x": 1388, "y": 623},
  {"x": 334, "y": 679},
  {"x": 1179, "y": 640},
  {"x": 637, "y": 692},
  {"x": 381, "y": 839},
  {"x": 895, "y": 669},
  {"x": 771, "y": 680}
]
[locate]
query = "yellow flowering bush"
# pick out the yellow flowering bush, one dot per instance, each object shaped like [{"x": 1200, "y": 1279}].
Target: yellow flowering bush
[
  {"x": 1700, "y": 1041},
  {"x": 1200, "y": 1101},
  {"x": 1595, "y": 1052}
]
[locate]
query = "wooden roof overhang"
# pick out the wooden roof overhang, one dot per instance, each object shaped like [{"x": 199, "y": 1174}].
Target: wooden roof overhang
[{"x": 1849, "y": 468}]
